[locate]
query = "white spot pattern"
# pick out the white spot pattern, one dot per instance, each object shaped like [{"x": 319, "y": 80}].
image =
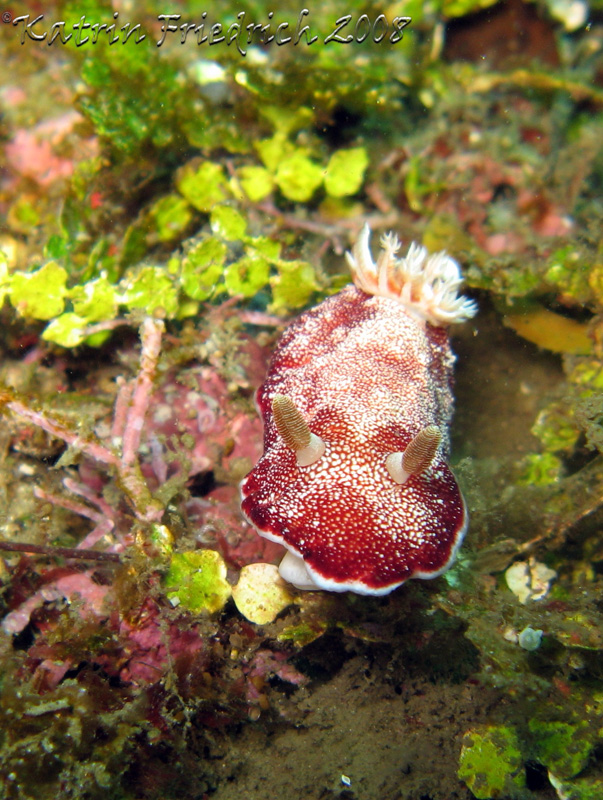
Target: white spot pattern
[{"x": 367, "y": 376}]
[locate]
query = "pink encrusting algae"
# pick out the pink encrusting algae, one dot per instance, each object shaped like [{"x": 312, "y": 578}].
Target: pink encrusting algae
[{"x": 356, "y": 407}]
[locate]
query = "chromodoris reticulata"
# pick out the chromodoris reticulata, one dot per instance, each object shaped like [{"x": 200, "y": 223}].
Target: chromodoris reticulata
[{"x": 354, "y": 479}]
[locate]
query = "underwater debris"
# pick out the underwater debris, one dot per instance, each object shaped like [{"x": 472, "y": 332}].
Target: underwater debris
[
  {"x": 551, "y": 331},
  {"x": 529, "y": 580},
  {"x": 529, "y": 638},
  {"x": 261, "y": 594}
]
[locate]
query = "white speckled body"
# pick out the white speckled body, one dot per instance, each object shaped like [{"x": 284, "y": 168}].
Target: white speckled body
[
  {"x": 368, "y": 361},
  {"x": 367, "y": 377}
]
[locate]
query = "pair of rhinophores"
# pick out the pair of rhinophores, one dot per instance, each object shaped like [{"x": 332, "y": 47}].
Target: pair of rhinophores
[{"x": 354, "y": 480}]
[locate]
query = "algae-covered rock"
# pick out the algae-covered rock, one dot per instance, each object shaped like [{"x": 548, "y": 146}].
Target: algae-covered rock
[
  {"x": 491, "y": 762},
  {"x": 564, "y": 748},
  {"x": 580, "y": 789}
]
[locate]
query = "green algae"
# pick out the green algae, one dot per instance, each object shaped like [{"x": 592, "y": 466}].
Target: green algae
[
  {"x": 255, "y": 181},
  {"x": 202, "y": 268},
  {"x": 298, "y": 177},
  {"x": 563, "y": 747},
  {"x": 540, "y": 469},
  {"x": 579, "y": 788},
  {"x": 200, "y": 578},
  {"x": 491, "y": 763},
  {"x": 94, "y": 301},
  {"x": 170, "y": 216},
  {"x": 345, "y": 172},
  {"x": 199, "y": 273},
  {"x": 203, "y": 185},
  {"x": 227, "y": 223},
  {"x": 150, "y": 289},
  {"x": 39, "y": 294}
]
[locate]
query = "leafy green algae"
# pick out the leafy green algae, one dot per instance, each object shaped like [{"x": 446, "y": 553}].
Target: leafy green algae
[
  {"x": 39, "y": 294},
  {"x": 345, "y": 172},
  {"x": 203, "y": 185},
  {"x": 204, "y": 270},
  {"x": 200, "y": 580}
]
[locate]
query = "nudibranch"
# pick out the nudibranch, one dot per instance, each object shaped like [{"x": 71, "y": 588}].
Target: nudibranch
[{"x": 356, "y": 408}]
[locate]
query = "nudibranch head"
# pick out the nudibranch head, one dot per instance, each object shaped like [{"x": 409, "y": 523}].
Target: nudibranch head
[{"x": 354, "y": 480}]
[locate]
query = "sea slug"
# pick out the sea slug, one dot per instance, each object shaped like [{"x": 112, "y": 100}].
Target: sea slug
[{"x": 356, "y": 407}]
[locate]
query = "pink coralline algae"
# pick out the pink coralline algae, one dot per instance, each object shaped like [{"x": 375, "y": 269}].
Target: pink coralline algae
[
  {"x": 33, "y": 153},
  {"x": 193, "y": 401},
  {"x": 356, "y": 407}
]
